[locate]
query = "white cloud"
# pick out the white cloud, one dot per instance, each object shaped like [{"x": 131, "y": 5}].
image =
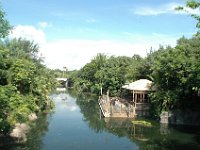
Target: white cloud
[
  {"x": 65, "y": 104},
  {"x": 192, "y": 11},
  {"x": 161, "y": 9},
  {"x": 29, "y": 33},
  {"x": 75, "y": 53}
]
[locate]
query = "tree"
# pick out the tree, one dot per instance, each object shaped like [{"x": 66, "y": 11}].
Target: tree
[
  {"x": 195, "y": 5},
  {"x": 23, "y": 48},
  {"x": 4, "y": 25},
  {"x": 25, "y": 83},
  {"x": 176, "y": 75},
  {"x": 106, "y": 73}
]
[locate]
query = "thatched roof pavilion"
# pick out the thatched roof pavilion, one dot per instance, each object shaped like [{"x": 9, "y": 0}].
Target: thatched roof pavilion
[{"x": 139, "y": 89}]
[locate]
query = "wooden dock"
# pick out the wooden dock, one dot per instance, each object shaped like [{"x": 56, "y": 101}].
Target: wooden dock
[
  {"x": 119, "y": 108},
  {"x": 105, "y": 114},
  {"x": 116, "y": 107}
]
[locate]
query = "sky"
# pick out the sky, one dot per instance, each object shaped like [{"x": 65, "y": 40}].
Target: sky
[{"x": 72, "y": 32}]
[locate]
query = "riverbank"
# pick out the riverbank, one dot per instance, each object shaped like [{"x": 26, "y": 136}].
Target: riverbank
[
  {"x": 36, "y": 129},
  {"x": 20, "y": 130},
  {"x": 76, "y": 123}
]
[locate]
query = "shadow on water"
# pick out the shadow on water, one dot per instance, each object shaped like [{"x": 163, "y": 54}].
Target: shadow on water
[
  {"x": 6, "y": 142},
  {"x": 34, "y": 137},
  {"x": 157, "y": 137}
]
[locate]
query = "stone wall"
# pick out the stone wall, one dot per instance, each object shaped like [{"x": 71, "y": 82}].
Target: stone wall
[{"x": 179, "y": 117}]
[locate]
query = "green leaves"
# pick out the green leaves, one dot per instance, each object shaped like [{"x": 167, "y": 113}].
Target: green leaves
[
  {"x": 175, "y": 72},
  {"x": 23, "y": 72},
  {"x": 107, "y": 73},
  {"x": 191, "y": 4},
  {"x": 4, "y": 25},
  {"x": 24, "y": 83}
]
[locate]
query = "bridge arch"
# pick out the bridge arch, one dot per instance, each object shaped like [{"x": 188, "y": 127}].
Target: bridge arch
[{"x": 62, "y": 81}]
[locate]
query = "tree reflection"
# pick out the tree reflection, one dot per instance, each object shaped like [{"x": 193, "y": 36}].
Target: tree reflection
[
  {"x": 34, "y": 137},
  {"x": 147, "y": 138},
  {"x": 90, "y": 110}
]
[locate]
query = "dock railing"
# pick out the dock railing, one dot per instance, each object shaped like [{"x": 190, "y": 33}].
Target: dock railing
[{"x": 116, "y": 107}]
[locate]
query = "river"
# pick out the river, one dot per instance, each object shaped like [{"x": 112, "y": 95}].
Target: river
[{"x": 77, "y": 124}]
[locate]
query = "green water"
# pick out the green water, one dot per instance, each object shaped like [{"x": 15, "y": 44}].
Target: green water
[{"x": 77, "y": 124}]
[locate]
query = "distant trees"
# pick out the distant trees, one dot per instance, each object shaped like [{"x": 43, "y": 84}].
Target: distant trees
[
  {"x": 175, "y": 73},
  {"x": 105, "y": 73}
]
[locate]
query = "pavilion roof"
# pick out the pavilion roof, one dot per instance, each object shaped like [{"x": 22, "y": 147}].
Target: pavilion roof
[{"x": 140, "y": 85}]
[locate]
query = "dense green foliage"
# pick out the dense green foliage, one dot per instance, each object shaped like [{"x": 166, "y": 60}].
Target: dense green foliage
[
  {"x": 106, "y": 73},
  {"x": 174, "y": 71},
  {"x": 176, "y": 75},
  {"x": 24, "y": 82}
]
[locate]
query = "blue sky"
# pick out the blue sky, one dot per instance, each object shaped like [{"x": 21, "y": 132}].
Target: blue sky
[{"x": 71, "y": 32}]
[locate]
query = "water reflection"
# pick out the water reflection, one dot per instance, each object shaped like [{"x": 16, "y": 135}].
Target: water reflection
[
  {"x": 34, "y": 138},
  {"x": 160, "y": 136},
  {"x": 77, "y": 124},
  {"x": 63, "y": 103}
]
